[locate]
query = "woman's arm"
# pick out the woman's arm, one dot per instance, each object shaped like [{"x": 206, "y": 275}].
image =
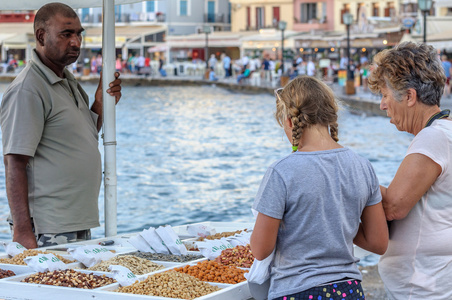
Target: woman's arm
[
  {"x": 373, "y": 230},
  {"x": 263, "y": 238},
  {"x": 414, "y": 177}
]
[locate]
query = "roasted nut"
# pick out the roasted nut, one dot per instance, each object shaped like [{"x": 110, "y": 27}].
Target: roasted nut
[
  {"x": 239, "y": 256},
  {"x": 220, "y": 235},
  {"x": 19, "y": 258},
  {"x": 214, "y": 272},
  {"x": 69, "y": 278},
  {"x": 136, "y": 265},
  {"x": 6, "y": 273},
  {"x": 166, "y": 257},
  {"x": 170, "y": 284}
]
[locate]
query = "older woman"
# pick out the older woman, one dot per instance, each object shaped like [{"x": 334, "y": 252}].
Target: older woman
[{"x": 418, "y": 262}]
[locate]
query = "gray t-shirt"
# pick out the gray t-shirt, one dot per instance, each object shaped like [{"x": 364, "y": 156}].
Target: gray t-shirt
[
  {"x": 48, "y": 118},
  {"x": 319, "y": 197}
]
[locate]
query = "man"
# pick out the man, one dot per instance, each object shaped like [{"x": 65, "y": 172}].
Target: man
[
  {"x": 310, "y": 68},
  {"x": 140, "y": 64},
  {"x": 50, "y": 138},
  {"x": 447, "y": 66},
  {"x": 212, "y": 61},
  {"x": 227, "y": 65}
]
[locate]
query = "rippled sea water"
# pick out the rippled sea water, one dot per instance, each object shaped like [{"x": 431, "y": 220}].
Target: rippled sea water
[{"x": 193, "y": 154}]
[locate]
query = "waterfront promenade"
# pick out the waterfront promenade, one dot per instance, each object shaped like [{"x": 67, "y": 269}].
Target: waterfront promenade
[{"x": 362, "y": 102}]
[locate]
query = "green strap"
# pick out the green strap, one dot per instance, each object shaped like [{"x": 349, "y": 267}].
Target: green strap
[{"x": 440, "y": 115}]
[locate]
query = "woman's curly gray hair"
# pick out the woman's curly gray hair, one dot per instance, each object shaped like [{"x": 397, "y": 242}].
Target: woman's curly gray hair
[{"x": 409, "y": 65}]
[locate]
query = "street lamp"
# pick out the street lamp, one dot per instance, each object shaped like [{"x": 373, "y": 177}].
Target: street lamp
[
  {"x": 282, "y": 26},
  {"x": 348, "y": 20},
  {"x": 206, "y": 30},
  {"x": 425, "y": 6}
]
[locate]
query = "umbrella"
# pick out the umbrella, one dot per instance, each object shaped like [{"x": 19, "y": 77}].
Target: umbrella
[{"x": 109, "y": 112}]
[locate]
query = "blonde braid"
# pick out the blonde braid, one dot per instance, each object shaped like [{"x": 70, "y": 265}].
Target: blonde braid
[
  {"x": 299, "y": 124},
  {"x": 334, "y": 130}
]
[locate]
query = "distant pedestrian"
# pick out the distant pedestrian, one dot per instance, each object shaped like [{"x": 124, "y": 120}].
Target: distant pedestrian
[
  {"x": 310, "y": 68},
  {"x": 212, "y": 76},
  {"x": 99, "y": 63},
  {"x": 245, "y": 61},
  {"x": 161, "y": 69},
  {"x": 266, "y": 68},
  {"x": 246, "y": 74},
  {"x": 118, "y": 64},
  {"x": 212, "y": 61},
  {"x": 343, "y": 63},
  {"x": 447, "y": 66},
  {"x": 227, "y": 65},
  {"x": 140, "y": 63}
]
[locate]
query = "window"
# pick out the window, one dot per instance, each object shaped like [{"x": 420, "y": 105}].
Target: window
[
  {"x": 346, "y": 9},
  {"x": 360, "y": 12},
  {"x": 308, "y": 12},
  {"x": 323, "y": 9},
  {"x": 260, "y": 15},
  {"x": 183, "y": 7},
  {"x": 150, "y": 6},
  {"x": 376, "y": 9},
  {"x": 248, "y": 17},
  {"x": 275, "y": 16},
  {"x": 85, "y": 14},
  {"x": 390, "y": 10},
  {"x": 211, "y": 11}
]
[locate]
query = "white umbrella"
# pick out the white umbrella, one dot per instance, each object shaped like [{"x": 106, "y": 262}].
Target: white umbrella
[{"x": 109, "y": 111}]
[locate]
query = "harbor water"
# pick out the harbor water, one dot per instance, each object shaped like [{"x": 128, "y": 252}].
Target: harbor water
[{"x": 197, "y": 153}]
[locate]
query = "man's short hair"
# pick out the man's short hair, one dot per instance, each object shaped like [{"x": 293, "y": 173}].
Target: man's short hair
[{"x": 46, "y": 12}]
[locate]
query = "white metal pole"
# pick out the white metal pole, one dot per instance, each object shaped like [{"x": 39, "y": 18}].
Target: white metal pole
[{"x": 109, "y": 116}]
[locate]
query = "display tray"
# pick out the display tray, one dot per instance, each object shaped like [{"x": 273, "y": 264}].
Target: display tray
[
  {"x": 12, "y": 288},
  {"x": 17, "y": 269},
  {"x": 22, "y": 269},
  {"x": 119, "y": 246},
  {"x": 182, "y": 232},
  {"x": 238, "y": 291},
  {"x": 197, "y": 253}
]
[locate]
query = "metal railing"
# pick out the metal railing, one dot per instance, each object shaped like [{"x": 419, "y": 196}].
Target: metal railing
[
  {"x": 126, "y": 18},
  {"x": 217, "y": 18}
]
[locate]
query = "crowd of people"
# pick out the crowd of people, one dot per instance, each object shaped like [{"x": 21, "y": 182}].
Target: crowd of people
[
  {"x": 12, "y": 64},
  {"x": 312, "y": 205},
  {"x": 265, "y": 68}
]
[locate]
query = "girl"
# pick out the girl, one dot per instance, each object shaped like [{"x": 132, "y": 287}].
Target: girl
[{"x": 316, "y": 202}]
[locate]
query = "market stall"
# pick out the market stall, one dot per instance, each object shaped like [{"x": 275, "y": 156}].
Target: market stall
[{"x": 220, "y": 287}]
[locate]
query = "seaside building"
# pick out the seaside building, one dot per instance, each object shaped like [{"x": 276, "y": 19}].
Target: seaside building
[
  {"x": 141, "y": 28},
  {"x": 152, "y": 22}
]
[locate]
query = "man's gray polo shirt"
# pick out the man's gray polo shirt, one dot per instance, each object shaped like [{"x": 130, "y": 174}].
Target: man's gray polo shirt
[{"x": 48, "y": 118}]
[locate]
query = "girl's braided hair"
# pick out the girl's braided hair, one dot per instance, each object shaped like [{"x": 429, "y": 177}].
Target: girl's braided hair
[{"x": 307, "y": 101}]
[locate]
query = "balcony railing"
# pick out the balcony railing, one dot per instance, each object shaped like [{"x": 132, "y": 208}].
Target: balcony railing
[
  {"x": 254, "y": 28},
  {"x": 17, "y": 17},
  {"x": 217, "y": 18},
  {"x": 126, "y": 18}
]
